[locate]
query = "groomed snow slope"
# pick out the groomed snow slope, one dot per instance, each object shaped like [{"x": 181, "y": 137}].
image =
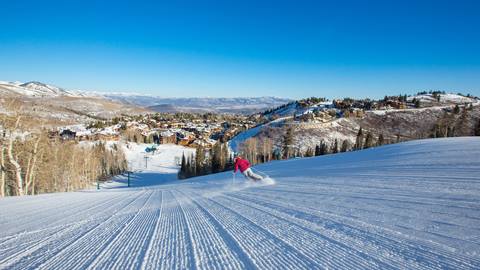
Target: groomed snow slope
[{"x": 413, "y": 205}]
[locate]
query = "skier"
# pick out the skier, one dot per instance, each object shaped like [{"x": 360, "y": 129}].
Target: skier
[{"x": 244, "y": 166}]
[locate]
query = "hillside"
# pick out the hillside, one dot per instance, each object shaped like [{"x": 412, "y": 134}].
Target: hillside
[
  {"x": 314, "y": 123},
  {"x": 54, "y": 106},
  {"x": 35, "y": 89},
  {"x": 411, "y": 205}
]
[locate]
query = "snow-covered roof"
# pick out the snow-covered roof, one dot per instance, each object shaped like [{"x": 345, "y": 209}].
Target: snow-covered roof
[
  {"x": 108, "y": 131},
  {"x": 167, "y": 133}
]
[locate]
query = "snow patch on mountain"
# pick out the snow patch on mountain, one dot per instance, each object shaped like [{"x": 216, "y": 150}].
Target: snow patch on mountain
[
  {"x": 37, "y": 89},
  {"x": 236, "y": 142},
  {"x": 445, "y": 99}
]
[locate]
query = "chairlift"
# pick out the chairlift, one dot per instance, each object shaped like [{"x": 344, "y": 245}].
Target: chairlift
[{"x": 152, "y": 148}]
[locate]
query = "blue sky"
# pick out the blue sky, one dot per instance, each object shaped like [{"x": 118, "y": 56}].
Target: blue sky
[{"x": 244, "y": 48}]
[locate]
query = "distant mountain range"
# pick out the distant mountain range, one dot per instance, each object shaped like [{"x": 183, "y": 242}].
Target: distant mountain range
[
  {"x": 243, "y": 105},
  {"x": 48, "y": 105},
  {"x": 36, "y": 89}
]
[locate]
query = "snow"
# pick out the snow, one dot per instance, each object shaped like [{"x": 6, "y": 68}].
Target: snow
[
  {"x": 240, "y": 138},
  {"x": 413, "y": 205},
  {"x": 454, "y": 98},
  {"x": 164, "y": 160},
  {"x": 38, "y": 89},
  {"x": 74, "y": 128},
  {"x": 444, "y": 98},
  {"x": 288, "y": 110}
]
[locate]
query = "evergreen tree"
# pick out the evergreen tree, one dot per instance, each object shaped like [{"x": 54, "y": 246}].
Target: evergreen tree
[
  {"x": 229, "y": 163},
  {"x": 199, "y": 161},
  {"x": 416, "y": 102},
  {"x": 368, "y": 140},
  {"x": 450, "y": 131},
  {"x": 216, "y": 158},
  {"x": 456, "y": 110},
  {"x": 344, "y": 147},
  {"x": 288, "y": 143},
  {"x": 219, "y": 157},
  {"x": 477, "y": 129},
  {"x": 183, "y": 168},
  {"x": 193, "y": 167},
  {"x": 380, "y": 140},
  {"x": 309, "y": 152},
  {"x": 435, "y": 131},
  {"x": 323, "y": 148},
  {"x": 317, "y": 150},
  {"x": 189, "y": 169},
  {"x": 359, "y": 140},
  {"x": 225, "y": 156},
  {"x": 335, "y": 147}
]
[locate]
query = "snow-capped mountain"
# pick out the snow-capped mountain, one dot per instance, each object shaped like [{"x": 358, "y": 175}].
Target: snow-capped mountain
[
  {"x": 58, "y": 106},
  {"x": 245, "y": 105},
  {"x": 45, "y": 89},
  {"x": 36, "y": 89}
]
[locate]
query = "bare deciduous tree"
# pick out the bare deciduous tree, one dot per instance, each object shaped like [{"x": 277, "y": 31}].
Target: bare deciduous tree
[
  {"x": 13, "y": 160},
  {"x": 3, "y": 169}
]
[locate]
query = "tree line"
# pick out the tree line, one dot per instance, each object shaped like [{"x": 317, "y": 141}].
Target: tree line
[
  {"x": 31, "y": 162},
  {"x": 206, "y": 161}
]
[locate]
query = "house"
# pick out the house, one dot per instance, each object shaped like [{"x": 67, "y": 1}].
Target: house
[
  {"x": 67, "y": 134},
  {"x": 167, "y": 137},
  {"x": 185, "y": 138},
  {"x": 396, "y": 104},
  {"x": 108, "y": 134},
  {"x": 72, "y": 132},
  {"x": 205, "y": 143},
  {"x": 83, "y": 135}
]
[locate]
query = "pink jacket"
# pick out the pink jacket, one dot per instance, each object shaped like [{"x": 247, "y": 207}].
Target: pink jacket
[{"x": 243, "y": 164}]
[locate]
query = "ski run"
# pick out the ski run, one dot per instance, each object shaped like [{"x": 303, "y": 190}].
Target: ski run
[{"x": 413, "y": 205}]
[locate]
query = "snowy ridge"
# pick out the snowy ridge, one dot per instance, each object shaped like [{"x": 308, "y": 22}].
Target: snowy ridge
[
  {"x": 448, "y": 98},
  {"x": 235, "y": 143},
  {"x": 37, "y": 89},
  {"x": 412, "y": 205}
]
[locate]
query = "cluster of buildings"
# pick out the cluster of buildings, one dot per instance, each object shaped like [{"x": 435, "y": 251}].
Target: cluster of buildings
[
  {"x": 329, "y": 110},
  {"x": 82, "y": 133},
  {"x": 190, "y": 133}
]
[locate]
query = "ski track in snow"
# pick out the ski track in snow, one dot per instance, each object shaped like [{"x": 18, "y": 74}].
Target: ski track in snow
[{"x": 413, "y": 205}]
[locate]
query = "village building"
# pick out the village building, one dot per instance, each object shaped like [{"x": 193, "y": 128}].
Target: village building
[
  {"x": 67, "y": 134},
  {"x": 167, "y": 137},
  {"x": 203, "y": 142}
]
